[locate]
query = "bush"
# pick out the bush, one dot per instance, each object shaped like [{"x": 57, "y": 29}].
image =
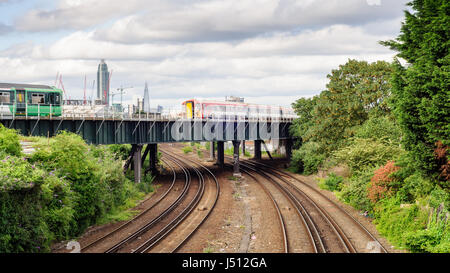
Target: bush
[
  {"x": 434, "y": 239},
  {"x": 187, "y": 149},
  {"x": 64, "y": 187},
  {"x": 383, "y": 183},
  {"x": 384, "y": 129},
  {"x": 363, "y": 153},
  {"x": 9, "y": 142},
  {"x": 397, "y": 223},
  {"x": 120, "y": 151},
  {"x": 307, "y": 159},
  {"x": 332, "y": 182},
  {"x": 354, "y": 190},
  {"x": 415, "y": 187}
]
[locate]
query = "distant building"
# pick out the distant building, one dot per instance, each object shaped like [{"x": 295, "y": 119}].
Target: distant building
[
  {"x": 103, "y": 83},
  {"x": 146, "y": 106}
]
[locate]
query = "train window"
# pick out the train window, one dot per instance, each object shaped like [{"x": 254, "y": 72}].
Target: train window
[
  {"x": 57, "y": 100},
  {"x": 37, "y": 98},
  {"x": 5, "y": 97}
]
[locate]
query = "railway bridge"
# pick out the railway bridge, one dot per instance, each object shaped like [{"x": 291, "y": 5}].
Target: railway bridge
[{"x": 151, "y": 129}]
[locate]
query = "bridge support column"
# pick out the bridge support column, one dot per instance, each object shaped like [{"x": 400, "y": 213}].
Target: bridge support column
[
  {"x": 289, "y": 148},
  {"x": 236, "y": 171},
  {"x": 220, "y": 153},
  {"x": 257, "y": 149},
  {"x": 212, "y": 154},
  {"x": 153, "y": 159},
  {"x": 137, "y": 162}
]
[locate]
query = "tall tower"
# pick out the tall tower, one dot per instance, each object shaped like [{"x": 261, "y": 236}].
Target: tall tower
[
  {"x": 103, "y": 82},
  {"x": 146, "y": 99}
]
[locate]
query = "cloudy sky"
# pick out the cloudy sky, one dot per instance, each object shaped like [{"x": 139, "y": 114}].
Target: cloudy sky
[{"x": 268, "y": 51}]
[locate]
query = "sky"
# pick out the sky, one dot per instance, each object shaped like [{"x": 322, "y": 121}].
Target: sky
[{"x": 267, "y": 51}]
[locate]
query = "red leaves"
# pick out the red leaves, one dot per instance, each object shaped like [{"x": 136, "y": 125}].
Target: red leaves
[
  {"x": 380, "y": 182},
  {"x": 440, "y": 153}
]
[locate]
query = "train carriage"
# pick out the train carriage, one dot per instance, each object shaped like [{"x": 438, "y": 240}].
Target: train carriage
[
  {"x": 225, "y": 110},
  {"x": 30, "y": 100}
]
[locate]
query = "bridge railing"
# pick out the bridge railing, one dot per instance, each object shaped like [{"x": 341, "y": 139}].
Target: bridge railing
[{"x": 100, "y": 112}]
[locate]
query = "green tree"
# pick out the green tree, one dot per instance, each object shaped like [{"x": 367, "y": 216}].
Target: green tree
[
  {"x": 421, "y": 96},
  {"x": 356, "y": 90},
  {"x": 303, "y": 108}
]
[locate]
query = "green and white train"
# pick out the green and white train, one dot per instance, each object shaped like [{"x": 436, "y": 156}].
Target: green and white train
[{"x": 30, "y": 100}]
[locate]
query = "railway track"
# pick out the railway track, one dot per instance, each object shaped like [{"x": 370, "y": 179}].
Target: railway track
[
  {"x": 310, "y": 229},
  {"x": 169, "y": 223},
  {"x": 284, "y": 176},
  {"x": 211, "y": 198},
  {"x": 144, "y": 236},
  {"x": 154, "y": 229},
  {"x": 105, "y": 237}
]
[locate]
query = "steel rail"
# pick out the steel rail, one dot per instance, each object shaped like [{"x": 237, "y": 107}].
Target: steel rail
[
  {"x": 152, "y": 241},
  {"x": 336, "y": 229},
  {"x": 358, "y": 224},
  {"x": 138, "y": 215},
  {"x": 150, "y": 224},
  {"x": 277, "y": 208},
  {"x": 216, "y": 198},
  {"x": 312, "y": 231}
]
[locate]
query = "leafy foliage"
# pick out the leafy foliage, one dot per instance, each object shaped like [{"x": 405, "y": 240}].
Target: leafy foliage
[
  {"x": 356, "y": 91},
  {"x": 421, "y": 90},
  {"x": 332, "y": 183},
  {"x": 362, "y": 153},
  {"x": 382, "y": 183},
  {"x": 307, "y": 159},
  {"x": 64, "y": 187},
  {"x": 9, "y": 142}
]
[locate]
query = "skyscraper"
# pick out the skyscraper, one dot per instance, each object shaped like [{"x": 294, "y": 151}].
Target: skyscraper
[
  {"x": 103, "y": 82},
  {"x": 146, "y": 99}
]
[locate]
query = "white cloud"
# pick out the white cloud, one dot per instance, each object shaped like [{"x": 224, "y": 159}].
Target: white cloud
[{"x": 271, "y": 52}]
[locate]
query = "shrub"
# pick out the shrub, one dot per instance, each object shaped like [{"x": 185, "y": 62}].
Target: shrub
[
  {"x": 9, "y": 142},
  {"x": 363, "y": 153},
  {"x": 434, "y": 239},
  {"x": 58, "y": 202},
  {"x": 396, "y": 222},
  {"x": 382, "y": 183},
  {"x": 332, "y": 182},
  {"x": 18, "y": 174},
  {"x": 354, "y": 190},
  {"x": 187, "y": 149},
  {"x": 415, "y": 187},
  {"x": 307, "y": 159},
  {"x": 383, "y": 129},
  {"x": 120, "y": 151}
]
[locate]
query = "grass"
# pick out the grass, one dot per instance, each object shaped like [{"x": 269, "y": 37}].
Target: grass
[
  {"x": 208, "y": 249},
  {"x": 187, "y": 149}
]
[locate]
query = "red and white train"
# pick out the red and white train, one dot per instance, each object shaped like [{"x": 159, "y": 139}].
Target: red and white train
[{"x": 207, "y": 109}]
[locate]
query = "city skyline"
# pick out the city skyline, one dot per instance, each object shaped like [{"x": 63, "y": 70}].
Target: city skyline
[{"x": 274, "y": 54}]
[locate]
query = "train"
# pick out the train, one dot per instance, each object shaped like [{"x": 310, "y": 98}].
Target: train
[
  {"x": 30, "y": 100},
  {"x": 230, "y": 110}
]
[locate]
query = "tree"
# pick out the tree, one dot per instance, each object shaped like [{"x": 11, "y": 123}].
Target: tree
[
  {"x": 421, "y": 96},
  {"x": 356, "y": 90},
  {"x": 303, "y": 108}
]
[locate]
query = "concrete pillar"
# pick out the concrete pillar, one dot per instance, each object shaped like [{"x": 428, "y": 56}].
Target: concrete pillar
[
  {"x": 153, "y": 159},
  {"x": 257, "y": 149},
  {"x": 220, "y": 153},
  {"x": 236, "y": 171},
  {"x": 137, "y": 162},
  {"x": 211, "y": 150}
]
